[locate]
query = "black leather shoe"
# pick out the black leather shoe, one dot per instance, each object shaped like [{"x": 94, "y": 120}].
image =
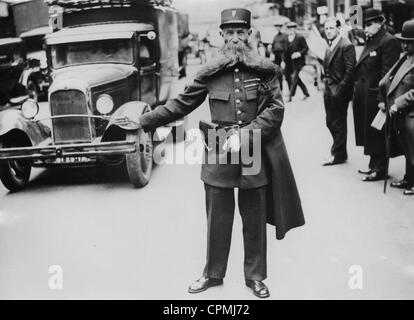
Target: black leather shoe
[
  {"x": 259, "y": 288},
  {"x": 409, "y": 192},
  {"x": 403, "y": 184},
  {"x": 333, "y": 161},
  {"x": 203, "y": 284},
  {"x": 375, "y": 176},
  {"x": 365, "y": 171}
]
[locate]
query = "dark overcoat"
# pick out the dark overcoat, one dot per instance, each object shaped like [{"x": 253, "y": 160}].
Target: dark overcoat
[
  {"x": 398, "y": 88},
  {"x": 297, "y": 45},
  {"x": 259, "y": 92},
  {"x": 379, "y": 55}
]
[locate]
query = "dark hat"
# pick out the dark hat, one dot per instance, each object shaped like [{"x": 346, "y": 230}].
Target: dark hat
[
  {"x": 407, "y": 33},
  {"x": 238, "y": 16},
  {"x": 371, "y": 14},
  {"x": 292, "y": 25}
]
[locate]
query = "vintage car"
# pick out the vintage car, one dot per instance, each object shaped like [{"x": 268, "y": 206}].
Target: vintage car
[
  {"x": 108, "y": 65},
  {"x": 18, "y": 72}
]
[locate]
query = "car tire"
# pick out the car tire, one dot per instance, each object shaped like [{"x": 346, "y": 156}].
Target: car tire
[
  {"x": 14, "y": 175},
  {"x": 32, "y": 90},
  {"x": 139, "y": 163}
]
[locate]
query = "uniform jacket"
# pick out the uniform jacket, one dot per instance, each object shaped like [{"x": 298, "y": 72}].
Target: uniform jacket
[
  {"x": 297, "y": 45},
  {"x": 339, "y": 64},
  {"x": 398, "y": 89},
  {"x": 379, "y": 55},
  {"x": 246, "y": 94}
]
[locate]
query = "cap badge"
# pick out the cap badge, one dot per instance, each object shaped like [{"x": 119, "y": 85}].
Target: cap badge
[{"x": 233, "y": 13}]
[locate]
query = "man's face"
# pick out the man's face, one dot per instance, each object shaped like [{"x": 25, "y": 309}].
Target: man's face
[
  {"x": 291, "y": 31},
  {"x": 408, "y": 47},
  {"x": 372, "y": 28},
  {"x": 331, "y": 30},
  {"x": 235, "y": 34}
]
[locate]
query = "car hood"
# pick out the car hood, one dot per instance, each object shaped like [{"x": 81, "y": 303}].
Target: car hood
[{"x": 85, "y": 77}]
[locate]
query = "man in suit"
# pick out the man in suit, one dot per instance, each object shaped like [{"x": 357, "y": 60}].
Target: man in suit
[
  {"x": 339, "y": 66},
  {"x": 279, "y": 48},
  {"x": 295, "y": 60},
  {"x": 398, "y": 88},
  {"x": 244, "y": 97},
  {"x": 380, "y": 53}
]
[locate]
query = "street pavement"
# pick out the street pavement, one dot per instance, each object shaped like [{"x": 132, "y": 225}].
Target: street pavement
[{"x": 110, "y": 241}]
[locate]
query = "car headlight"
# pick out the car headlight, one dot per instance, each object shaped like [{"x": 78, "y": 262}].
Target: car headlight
[
  {"x": 30, "y": 109},
  {"x": 104, "y": 104}
]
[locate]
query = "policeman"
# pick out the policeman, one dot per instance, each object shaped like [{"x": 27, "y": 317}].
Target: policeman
[
  {"x": 398, "y": 84},
  {"x": 380, "y": 53},
  {"x": 244, "y": 97}
]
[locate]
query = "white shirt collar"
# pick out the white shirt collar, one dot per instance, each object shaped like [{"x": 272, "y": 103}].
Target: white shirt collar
[{"x": 335, "y": 42}]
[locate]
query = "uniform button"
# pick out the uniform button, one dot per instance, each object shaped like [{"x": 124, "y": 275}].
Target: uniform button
[
  {"x": 236, "y": 70},
  {"x": 237, "y": 90},
  {"x": 239, "y": 112},
  {"x": 240, "y": 122},
  {"x": 237, "y": 80},
  {"x": 238, "y": 101}
]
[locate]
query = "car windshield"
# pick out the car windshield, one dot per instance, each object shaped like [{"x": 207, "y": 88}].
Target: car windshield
[{"x": 102, "y": 51}]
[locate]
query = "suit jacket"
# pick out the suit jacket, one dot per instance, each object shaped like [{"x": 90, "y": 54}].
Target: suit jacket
[
  {"x": 280, "y": 42},
  {"x": 297, "y": 45},
  {"x": 247, "y": 94},
  {"x": 339, "y": 67},
  {"x": 379, "y": 55},
  {"x": 397, "y": 87}
]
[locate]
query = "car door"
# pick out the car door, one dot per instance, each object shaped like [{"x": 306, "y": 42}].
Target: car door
[{"x": 148, "y": 91}]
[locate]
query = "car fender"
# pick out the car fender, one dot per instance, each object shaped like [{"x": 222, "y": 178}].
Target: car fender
[
  {"x": 12, "y": 119},
  {"x": 26, "y": 74},
  {"x": 127, "y": 116}
]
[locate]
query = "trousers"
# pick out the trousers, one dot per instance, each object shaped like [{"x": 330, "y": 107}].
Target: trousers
[
  {"x": 336, "y": 120},
  {"x": 220, "y": 205}
]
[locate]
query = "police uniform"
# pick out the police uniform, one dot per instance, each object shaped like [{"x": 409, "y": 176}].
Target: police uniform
[{"x": 245, "y": 95}]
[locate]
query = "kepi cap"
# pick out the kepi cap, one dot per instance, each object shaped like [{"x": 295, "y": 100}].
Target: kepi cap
[{"x": 236, "y": 16}]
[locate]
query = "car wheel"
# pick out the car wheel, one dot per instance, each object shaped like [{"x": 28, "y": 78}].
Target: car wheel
[
  {"x": 139, "y": 163},
  {"x": 14, "y": 174},
  {"x": 32, "y": 90}
]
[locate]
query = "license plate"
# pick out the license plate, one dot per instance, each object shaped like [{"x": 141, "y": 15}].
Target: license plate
[{"x": 73, "y": 160}]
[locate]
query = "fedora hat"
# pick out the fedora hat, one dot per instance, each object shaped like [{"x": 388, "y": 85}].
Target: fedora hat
[
  {"x": 371, "y": 14},
  {"x": 236, "y": 16},
  {"x": 407, "y": 33}
]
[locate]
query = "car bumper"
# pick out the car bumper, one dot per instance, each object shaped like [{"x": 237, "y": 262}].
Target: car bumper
[{"x": 68, "y": 151}]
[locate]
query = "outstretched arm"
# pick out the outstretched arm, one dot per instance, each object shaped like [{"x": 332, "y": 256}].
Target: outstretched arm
[{"x": 193, "y": 96}]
